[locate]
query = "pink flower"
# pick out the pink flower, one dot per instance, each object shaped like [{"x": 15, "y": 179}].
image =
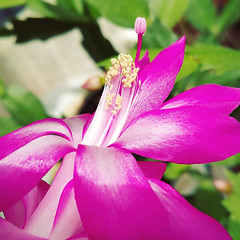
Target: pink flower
[{"x": 99, "y": 180}]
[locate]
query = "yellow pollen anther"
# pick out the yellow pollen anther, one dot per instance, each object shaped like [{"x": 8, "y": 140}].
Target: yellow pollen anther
[
  {"x": 118, "y": 104},
  {"x": 109, "y": 100},
  {"x": 123, "y": 70},
  {"x": 123, "y": 65},
  {"x": 113, "y": 71}
]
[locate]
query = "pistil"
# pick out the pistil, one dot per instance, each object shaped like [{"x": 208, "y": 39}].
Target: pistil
[
  {"x": 140, "y": 28},
  {"x": 119, "y": 95}
]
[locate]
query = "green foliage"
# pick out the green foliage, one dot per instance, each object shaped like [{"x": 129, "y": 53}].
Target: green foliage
[
  {"x": 64, "y": 10},
  {"x": 173, "y": 170},
  {"x": 233, "y": 229},
  {"x": 23, "y": 106},
  {"x": 122, "y": 12},
  {"x": 213, "y": 207},
  {"x": 217, "y": 58},
  {"x": 158, "y": 36},
  {"x": 201, "y": 13},
  {"x": 11, "y": 3},
  {"x": 230, "y": 162},
  {"x": 170, "y": 11},
  {"x": 8, "y": 125},
  {"x": 230, "y": 15},
  {"x": 232, "y": 202}
]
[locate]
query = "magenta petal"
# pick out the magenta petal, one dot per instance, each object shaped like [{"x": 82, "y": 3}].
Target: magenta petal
[
  {"x": 23, "y": 169},
  {"x": 43, "y": 187},
  {"x": 183, "y": 135},
  {"x": 220, "y": 98},
  {"x": 144, "y": 61},
  {"x": 16, "y": 214},
  {"x": 153, "y": 169},
  {"x": 76, "y": 125},
  {"x": 66, "y": 213},
  {"x": 186, "y": 221},
  {"x": 33, "y": 198},
  {"x": 114, "y": 199},
  {"x": 20, "y": 212},
  {"x": 18, "y": 138},
  {"x": 158, "y": 78},
  {"x": 41, "y": 221},
  {"x": 10, "y": 232},
  {"x": 78, "y": 237}
]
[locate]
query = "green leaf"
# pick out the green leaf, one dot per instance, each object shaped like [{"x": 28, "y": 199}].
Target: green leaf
[
  {"x": 23, "y": 106},
  {"x": 72, "y": 5},
  {"x": 8, "y": 125},
  {"x": 208, "y": 200},
  {"x": 169, "y": 11},
  {"x": 217, "y": 58},
  {"x": 94, "y": 42},
  {"x": 230, "y": 162},
  {"x": 123, "y": 12},
  {"x": 2, "y": 88},
  {"x": 230, "y": 15},
  {"x": 42, "y": 8},
  {"x": 64, "y": 10},
  {"x": 202, "y": 14},
  {"x": 230, "y": 78},
  {"x": 232, "y": 202},
  {"x": 175, "y": 170},
  {"x": 188, "y": 67},
  {"x": 39, "y": 28},
  {"x": 11, "y": 3},
  {"x": 158, "y": 36},
  {"x": 233, "y": 229}
]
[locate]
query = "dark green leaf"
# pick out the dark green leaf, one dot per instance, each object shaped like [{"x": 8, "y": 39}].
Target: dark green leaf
[
  {"x": 97, "y": 46},
  {"x": 123, "y": 12},
  {"x": 208, "y": 200},
  {"x": 39, "y": 28},
  {"x": 23, "y": 106},
  {"x": 64, "y": 10},
  {"x": 230, "y": 15},
  {"x": 202, "y": 15}
]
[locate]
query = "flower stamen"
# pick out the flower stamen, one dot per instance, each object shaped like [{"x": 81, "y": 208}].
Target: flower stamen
[{"x": 124, "y": 72}]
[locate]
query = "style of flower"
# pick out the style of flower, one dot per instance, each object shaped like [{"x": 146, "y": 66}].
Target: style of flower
[{"x": 100, "y": 190}]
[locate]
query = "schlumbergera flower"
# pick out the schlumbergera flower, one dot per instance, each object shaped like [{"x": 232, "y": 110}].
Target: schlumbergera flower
[{"x": 101, "y": 191}]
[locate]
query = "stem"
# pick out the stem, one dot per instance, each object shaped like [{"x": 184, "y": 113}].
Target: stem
[{"x": 139, "y": 45}]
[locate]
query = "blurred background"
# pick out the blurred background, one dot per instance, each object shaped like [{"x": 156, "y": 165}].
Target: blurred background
[{"x": 54, "y": 55}]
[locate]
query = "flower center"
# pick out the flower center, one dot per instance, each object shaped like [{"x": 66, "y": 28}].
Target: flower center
[
  {"x": 123, "y": 74},
  {"x": 118, "y": 98}
]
